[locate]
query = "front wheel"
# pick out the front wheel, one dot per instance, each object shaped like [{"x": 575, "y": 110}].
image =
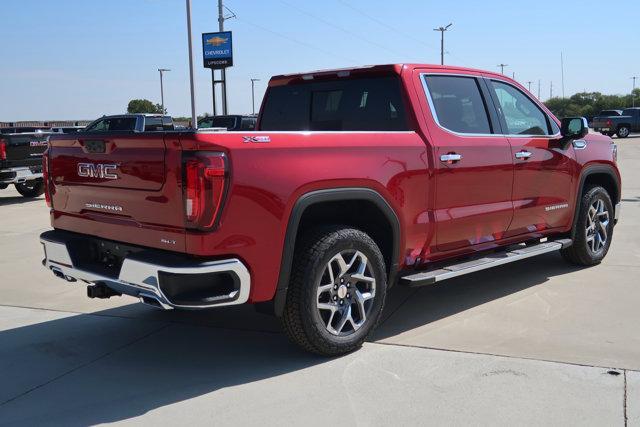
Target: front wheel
[
  {"x": 337, "y": 291},
  {"x": 594, "y": 228},
  {"x": 623, "y": 132},
  {"x": 31, "y": 189}
]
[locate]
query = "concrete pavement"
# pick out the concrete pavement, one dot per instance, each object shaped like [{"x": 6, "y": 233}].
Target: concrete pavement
[{"x": 536, "y": 342}]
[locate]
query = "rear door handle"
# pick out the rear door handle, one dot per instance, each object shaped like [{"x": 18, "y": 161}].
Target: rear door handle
[
  {"x": 451, "y": 157},
  {"x": 524, "y": 155}
]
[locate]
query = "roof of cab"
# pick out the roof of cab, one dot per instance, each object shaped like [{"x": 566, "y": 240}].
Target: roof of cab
[{"x": 384, "y": 69}]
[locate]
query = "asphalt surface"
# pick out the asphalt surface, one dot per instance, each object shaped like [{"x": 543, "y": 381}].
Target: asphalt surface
[{"x": 536, "y": 342}]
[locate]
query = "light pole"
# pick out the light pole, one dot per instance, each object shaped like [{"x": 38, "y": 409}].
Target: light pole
[
  {"x": 633, "y": 96},
  {"x": 162, "y": 70},
  {"x": 194, "y": 118},
  {"x": 529, "y": 83},
  {"x": 502, "y": 67},
  {"x": 442, "y": 30},
  {"x": 253, "y": 102}
]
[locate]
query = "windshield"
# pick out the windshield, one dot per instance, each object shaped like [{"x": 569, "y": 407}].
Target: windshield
[
  {"x": 610, "y": 113},
  {"x": 113, "y": 124},
  {"x": 218, "y": 122}
]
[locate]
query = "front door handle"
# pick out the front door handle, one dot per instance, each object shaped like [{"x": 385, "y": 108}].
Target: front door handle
[
  {"x": 451, "y": 157},
  {"x": 524, "y": 155}
]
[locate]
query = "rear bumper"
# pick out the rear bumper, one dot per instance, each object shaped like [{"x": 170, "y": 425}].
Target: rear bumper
[
  {"x": 18, "y": 175},
  {"x": 155, "y": 277}
]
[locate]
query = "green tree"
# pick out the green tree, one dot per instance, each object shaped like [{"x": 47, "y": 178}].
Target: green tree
[{"x": 139, "y": 106}]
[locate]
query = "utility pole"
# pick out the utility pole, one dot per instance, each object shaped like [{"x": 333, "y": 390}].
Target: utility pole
[
  {"x": 562, "y": 71},
  {"x": 538, "y": 89},
  {"x": 550, "y": 90},
  {"x": 502, "y": 67},
  {"x": 633, "y": 95},
  {"x": 223, "y": 71},
  {"x": 194, "y": 118},
  {"x": 513, "y": 75},
  {"x": 162, "y": 70},
  {"x": 442, "y": 30},
  {"x": 529, "y": 84},
  {"x": 253, "y": 98}
]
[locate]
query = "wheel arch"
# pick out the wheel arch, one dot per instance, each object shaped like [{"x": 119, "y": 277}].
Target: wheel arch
[
  {"x": 600, "y": 174},
  {"x": 314, "y": 200}
]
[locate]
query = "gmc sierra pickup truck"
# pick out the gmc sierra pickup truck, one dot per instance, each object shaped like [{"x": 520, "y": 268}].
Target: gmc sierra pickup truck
[
  {"x": 356, "y": 180},
  {"x": 21, "y": 162},
  {"x": 618, "y": 124}
]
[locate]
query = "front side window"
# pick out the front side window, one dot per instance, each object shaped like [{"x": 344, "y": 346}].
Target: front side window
[
  {"x": 521, "y": 114},
  {"x": 114, "y": 124},
  {"x": 458, "y": 104}
]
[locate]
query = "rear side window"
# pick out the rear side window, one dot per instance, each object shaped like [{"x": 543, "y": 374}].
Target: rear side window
[
  {"x": 369, "y": 104},
  {"x": 458, "y": 104},
  {"x": 248, "y": 124},
  {"x": 153, "y": 124}
]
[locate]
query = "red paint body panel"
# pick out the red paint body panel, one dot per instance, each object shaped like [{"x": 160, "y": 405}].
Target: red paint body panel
[{"x": 444, "y": 210}]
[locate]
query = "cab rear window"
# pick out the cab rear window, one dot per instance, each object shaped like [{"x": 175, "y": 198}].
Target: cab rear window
[{"x": 368, "y": 104}]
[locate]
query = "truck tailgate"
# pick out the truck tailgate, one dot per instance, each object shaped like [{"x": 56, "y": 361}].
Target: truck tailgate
[
  {"x": 24, "y": 149},
  {"x": 122, "y": 187}
]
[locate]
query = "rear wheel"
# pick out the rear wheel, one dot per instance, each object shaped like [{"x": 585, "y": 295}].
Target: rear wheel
[
  {"x": 337, "y": 291},
  {"x": 623, "y": 132},
  {"x": 30, "y": 189},
  {"x": 594, "y": 228}
]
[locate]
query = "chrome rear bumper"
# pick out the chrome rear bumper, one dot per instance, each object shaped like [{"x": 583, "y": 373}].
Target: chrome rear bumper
[
  {"x": 139, "y": 276},
  {"x": 18, "y": 175}
]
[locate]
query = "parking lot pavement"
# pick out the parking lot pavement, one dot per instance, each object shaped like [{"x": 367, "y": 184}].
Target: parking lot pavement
[{"x": 532, "y": 341}]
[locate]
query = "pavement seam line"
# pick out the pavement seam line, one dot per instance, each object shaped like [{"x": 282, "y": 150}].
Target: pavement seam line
[
  {"x": 624, "y": 402},
  {"x": 107, "y": 354},
  {"x": 584, "y": 365}
]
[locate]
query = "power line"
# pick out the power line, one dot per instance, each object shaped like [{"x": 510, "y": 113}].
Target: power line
[
  {"x": 384, "y": 24},
  {"x": 337, "y": 27},
  {"x": 301, "y": 43}
]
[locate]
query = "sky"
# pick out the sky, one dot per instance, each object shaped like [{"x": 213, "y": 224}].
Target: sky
[{"x": 80, "y": 59}]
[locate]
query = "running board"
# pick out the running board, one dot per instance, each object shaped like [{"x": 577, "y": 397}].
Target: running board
[{"x": 493, "y": 260}]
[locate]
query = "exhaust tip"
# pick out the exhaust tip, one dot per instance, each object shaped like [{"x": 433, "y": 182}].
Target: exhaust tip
[{"x": 153, "y": 301}]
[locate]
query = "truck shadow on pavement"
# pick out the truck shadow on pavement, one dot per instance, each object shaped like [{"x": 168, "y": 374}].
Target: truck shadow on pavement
[
  {"x": 16, "y": 200},
  {"x": 121, "y": 363}
]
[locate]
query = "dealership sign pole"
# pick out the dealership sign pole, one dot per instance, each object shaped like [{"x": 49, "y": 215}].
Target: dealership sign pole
[
  {"x": 194, "y": 117},
  {"x": 217, "y": 54}
]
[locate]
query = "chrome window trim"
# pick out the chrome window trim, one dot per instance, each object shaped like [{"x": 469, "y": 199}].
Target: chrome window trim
[{"x": 425, "y": 88}]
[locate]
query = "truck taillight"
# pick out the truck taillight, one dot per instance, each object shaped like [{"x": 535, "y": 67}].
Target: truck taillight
[
  {"x": 3, "y": 149},
  {"x": 609, "y": 123},
  {"x": 45, "y": 178},
  {"x": 205, "y": 180}
]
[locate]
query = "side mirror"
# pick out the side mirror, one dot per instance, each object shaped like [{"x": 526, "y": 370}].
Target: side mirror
[{"x": 574, "y": 128}]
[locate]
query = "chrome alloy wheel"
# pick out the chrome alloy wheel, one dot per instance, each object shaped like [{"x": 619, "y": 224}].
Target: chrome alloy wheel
[
  {"x": 346, "y": 292},
  {"x": 597, "y": 223},
  {"x": 623, "y": 132}
]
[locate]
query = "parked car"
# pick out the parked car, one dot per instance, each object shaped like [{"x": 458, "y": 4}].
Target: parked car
[
  {"x": 24, "y": 129},
  {"x": 66, "y": 129},
  {"x": 618, "y": 124},
  {"x": 21, "y": 162},
  {"x": 230, "y": 123},
  {"x": 131, "y": 123},
  {"x": 355, "y": 181}
]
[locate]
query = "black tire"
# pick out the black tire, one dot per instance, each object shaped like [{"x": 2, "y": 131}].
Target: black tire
[
  {"x": 582, "y": 252},
  {"x": 31, "y": 189},
  {"x": 623, "y": 131},
  {"x": 303, "y": 321}
]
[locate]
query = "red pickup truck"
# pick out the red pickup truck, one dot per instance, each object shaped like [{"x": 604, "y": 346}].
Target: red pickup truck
[{"x": 354, "y": 180}]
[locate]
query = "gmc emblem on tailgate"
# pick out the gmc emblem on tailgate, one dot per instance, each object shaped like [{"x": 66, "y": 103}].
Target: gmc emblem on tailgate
[{"x": 93, "y": 170}]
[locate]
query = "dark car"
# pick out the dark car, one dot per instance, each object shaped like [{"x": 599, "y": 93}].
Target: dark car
[
  {"x": 230, "y": 123},
  {"x": 618, "y": 124}
]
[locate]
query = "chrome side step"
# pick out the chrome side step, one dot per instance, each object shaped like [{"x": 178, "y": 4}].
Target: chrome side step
[{"x": 493, "y": 260}]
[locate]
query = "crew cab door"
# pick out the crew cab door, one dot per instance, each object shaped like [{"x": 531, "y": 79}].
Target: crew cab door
[
  {"x": 543, "y": 172},
  {"x": 473, "y": 162}
]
